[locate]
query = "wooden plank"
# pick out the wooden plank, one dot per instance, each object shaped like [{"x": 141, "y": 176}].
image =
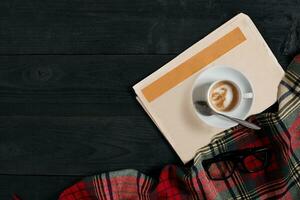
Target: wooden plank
[
  {"x": 34, "y": 187},
  {"x": 80, "y": 145},
  {"x": 130, "y": 27},
  {"x": 73, "y": 85}
]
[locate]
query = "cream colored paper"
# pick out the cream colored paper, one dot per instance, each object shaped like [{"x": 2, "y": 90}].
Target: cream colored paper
[{"x": 173, "y": 112}]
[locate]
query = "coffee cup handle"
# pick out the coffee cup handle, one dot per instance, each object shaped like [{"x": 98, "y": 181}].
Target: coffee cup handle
[{"x": 248, "y": 95}]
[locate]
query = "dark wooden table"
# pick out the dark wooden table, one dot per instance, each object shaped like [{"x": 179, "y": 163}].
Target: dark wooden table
[{"x": 67, "y": 109}]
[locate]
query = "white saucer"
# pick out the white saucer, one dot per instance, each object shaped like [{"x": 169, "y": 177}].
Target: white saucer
[{"x": 223, "y": 73}]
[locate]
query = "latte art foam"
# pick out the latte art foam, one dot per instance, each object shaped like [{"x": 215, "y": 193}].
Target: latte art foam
[{"x": 224, "y": 96}]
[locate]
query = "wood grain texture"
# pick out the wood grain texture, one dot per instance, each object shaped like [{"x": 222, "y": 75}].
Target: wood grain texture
[
  {"x": 66, "y": 70},
  {"x": 130, "y": 27},
  {"x": 80, "y": 145},
  {"x": 73, "y": 85},
  {"x": 34, "y": 187}
]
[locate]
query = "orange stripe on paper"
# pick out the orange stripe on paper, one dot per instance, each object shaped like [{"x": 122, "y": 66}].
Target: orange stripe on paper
[{"x": 194, "y": 64}]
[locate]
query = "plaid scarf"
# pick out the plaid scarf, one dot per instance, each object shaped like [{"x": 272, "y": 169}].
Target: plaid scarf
[{"x": 280, "y": 180}]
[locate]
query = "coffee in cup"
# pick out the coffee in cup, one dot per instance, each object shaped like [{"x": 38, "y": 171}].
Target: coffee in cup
[{"x": 223, "y": 96}]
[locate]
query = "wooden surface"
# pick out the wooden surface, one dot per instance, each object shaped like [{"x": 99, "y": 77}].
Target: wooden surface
[{"x": 67, "y": 109}]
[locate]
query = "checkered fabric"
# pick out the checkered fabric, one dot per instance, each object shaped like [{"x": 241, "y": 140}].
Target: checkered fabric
[{"x": 280, "y": 180}]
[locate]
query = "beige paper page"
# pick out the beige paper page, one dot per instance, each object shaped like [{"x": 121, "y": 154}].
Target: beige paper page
[{"x": 170, "y": 105}]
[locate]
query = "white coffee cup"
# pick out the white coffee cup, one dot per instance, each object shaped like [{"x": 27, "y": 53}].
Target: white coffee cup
[{"x": 238, "y": 95}]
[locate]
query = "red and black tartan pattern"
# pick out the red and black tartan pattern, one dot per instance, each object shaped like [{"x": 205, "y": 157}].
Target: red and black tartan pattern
[{"x": 280, "y": 180}]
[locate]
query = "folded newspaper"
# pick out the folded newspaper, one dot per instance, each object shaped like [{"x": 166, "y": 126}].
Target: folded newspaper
[{"x": 166, "y": 94}]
